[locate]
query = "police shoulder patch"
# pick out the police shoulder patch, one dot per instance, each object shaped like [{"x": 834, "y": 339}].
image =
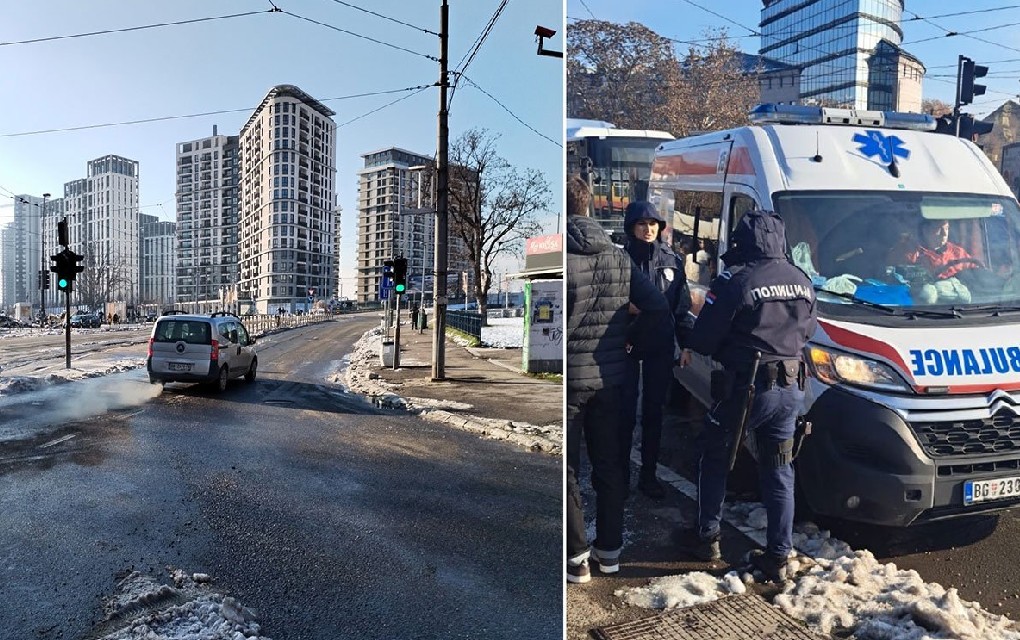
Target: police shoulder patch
[
  {"x": 726, "y": 275},
  {"x": 709, "y": 298}
]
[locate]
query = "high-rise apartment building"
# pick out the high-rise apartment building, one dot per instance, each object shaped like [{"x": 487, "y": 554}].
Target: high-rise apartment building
[
  {"x": 394, "y": 219},
  {"x": 158, "y": 240},
  {"x": 8, "y": 284},
  {"x": 26, "y": 245},
  {"x": 103, "y": 221},
  {"x": 288, "y": 216},
  {"x": 22, "y": 251},
  {"x": 206, "y": 264},
  {"x": 848, "y": 52}
]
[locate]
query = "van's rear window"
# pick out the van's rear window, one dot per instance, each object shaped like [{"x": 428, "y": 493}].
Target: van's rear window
[{"x": 190, "y": 331}]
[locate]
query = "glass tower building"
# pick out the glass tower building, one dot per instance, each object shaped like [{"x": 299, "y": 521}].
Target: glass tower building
[{"x": 848, "y": 51}]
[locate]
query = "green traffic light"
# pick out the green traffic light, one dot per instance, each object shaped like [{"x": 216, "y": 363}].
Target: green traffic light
[
  {"x": 400, "y": 288},
  {"x": 62, "y": 283}
]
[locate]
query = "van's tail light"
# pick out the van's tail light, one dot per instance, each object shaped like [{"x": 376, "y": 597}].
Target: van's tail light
[
  {"x": 151, "y": 340},
  {"x": 214, "y": 354}
]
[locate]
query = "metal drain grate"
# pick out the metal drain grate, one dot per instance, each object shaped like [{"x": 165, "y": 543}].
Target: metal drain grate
[{"x": 746, "y": 617}]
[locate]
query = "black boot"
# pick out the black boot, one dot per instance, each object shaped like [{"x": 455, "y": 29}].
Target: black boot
[{"x": 649, "y": 485}]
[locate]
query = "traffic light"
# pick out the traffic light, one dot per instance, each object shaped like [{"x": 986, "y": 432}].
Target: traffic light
[
  {"x": 971, "y": 128},
  {"x": 967, "y": 87},
  {"x": 44, "y": 280},
  {"x": 67, "y": 268},
  {"x": 400, "y": 275},
  {"x": 62, "y": 237}
]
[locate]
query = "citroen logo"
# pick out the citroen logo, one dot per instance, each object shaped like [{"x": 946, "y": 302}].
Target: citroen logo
[{"x": 999, "y": 400}]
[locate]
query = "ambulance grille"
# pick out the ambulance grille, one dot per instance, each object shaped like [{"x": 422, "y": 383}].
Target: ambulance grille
[{"x": 995, "y": 435}]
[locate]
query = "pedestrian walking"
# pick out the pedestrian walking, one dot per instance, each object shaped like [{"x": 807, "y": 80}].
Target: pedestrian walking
[
  {"x": 604, "y": 293},
  {"x": 414, "y": 316},
  {"x": 755, "y": 322},
  {"x": 652, "y": 354}
]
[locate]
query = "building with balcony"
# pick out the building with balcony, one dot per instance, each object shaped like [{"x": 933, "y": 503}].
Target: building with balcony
[
  {"x": 206, "y": 254},
  {"x": 288, "y": 214},
  {"x": 396, "y": 217},
  {"x": 103, "y": 220},
  {"x": 848, "y": 52},
  {"x": 158, "y": 240}
]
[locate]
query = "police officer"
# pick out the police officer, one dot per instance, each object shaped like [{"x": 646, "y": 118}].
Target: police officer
[
  {"x": 651, "y": 356},
  {"x": 763, "y": 313}
]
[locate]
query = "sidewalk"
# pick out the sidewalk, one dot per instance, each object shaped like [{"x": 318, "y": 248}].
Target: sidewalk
[{"x": 483, "y": 390}]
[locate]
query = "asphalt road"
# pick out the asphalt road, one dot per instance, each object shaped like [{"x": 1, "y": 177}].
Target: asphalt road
[{"x": 327, "y": 517}]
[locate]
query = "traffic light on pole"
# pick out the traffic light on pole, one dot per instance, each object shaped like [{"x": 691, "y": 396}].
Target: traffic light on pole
[
  {"x": 67, "y": 268},
  {"x": 400, "y": 276},
  {"x": 967, "y": 87}
]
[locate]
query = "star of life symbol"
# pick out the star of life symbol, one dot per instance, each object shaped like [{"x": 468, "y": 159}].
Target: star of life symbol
[{"x": 875, "y": 143}]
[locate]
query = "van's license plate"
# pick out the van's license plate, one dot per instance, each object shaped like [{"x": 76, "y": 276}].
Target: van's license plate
[
  {"x": 983, "y": 490},
  {"x": 179, "y": 366}
]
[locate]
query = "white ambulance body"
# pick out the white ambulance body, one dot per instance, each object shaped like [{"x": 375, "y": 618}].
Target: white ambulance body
[{"x": 914, "y": 388}]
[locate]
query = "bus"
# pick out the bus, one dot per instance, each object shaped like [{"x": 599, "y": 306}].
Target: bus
[{"x": 615, "y": 162}]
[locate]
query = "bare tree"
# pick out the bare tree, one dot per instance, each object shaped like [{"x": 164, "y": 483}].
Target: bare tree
[
  {"x": 632, "y": 77},
  {"x": 615, "y": 72},
  {"x": 101, "y": 277},
  {"x": 935, "y": 107},
  {"x": 493, "y": 206},
  {"x": 712, "y": 88}
]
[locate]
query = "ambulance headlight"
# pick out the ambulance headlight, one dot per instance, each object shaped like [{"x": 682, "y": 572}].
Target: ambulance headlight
[{"x": 836, "y": 367}]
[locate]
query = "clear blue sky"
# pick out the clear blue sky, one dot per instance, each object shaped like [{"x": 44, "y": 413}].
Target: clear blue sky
[
  {"x": 230, "y": 64},
  {"x": 924, "y": 35}
]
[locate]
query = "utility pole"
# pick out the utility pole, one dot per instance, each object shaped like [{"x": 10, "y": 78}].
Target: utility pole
[
  {"x": 442, "y": 199},
  {"x": 45, "y": 264}
]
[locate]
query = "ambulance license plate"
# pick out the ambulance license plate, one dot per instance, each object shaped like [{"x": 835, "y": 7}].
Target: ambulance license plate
[
  {"x": 179, "y": 366},
  {"x": 984, "y": 490}
]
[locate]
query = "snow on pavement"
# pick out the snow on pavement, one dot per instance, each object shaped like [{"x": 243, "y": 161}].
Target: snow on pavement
[{"x": 833, "y": 587}]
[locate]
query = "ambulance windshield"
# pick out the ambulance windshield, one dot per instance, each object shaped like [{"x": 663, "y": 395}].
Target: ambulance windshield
[{"x": 906, "y": 250}]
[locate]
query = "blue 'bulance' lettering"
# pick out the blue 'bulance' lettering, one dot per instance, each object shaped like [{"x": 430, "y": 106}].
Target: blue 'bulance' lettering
[{"x": 964, "y": 362}]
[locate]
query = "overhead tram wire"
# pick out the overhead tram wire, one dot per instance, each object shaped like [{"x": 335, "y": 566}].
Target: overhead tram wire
[
  {"x": 191, "y": 115},
  {"x": 470, "y": 55},
  {"x": 358, "y": 35},
  {"x": 505, "y": 108},
  {"x": 391, "y": 19},
  {"x": 138, "y": 28},
  {"x": 274, "y": 9},
  {"x": 389, "y": 104},
  {"x": 588, "y": 9}
]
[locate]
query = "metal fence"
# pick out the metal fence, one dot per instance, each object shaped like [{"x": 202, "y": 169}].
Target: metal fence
[{"x": 469, "y": 322}]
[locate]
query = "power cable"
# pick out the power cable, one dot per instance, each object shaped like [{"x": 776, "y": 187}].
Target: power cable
[
  {"x": 139, "y": 28},
  {"x": 963, "y": 13},
  {"x": 388, "y": 104},
  {"x": 470, "y": 55},
  {"x": 505, "y": 108},
  {"x": 189, "y": 115},
  {"x": 358, "y": 35},
  {"x": 588, "y": 9},
  {"x": 369, "y": 11}
]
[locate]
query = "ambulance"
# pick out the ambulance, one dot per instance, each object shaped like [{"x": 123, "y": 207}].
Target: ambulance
[{"x": 911, "y": 239}]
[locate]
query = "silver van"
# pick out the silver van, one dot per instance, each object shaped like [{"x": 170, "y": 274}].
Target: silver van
[{"x": 201, "y": 348}]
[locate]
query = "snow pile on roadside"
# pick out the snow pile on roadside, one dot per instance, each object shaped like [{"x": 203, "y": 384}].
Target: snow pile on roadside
[
  {"x": 834, "y": 587},
  {"x": 359, "y": 377},
  {"x": 144, "y": 609}
]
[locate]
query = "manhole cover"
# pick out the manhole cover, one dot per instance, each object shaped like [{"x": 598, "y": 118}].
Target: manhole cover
[{"x": 747, "y": 617}]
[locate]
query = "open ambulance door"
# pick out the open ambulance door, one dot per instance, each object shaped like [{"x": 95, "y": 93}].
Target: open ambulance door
[{"x": 715, "y": 221}]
